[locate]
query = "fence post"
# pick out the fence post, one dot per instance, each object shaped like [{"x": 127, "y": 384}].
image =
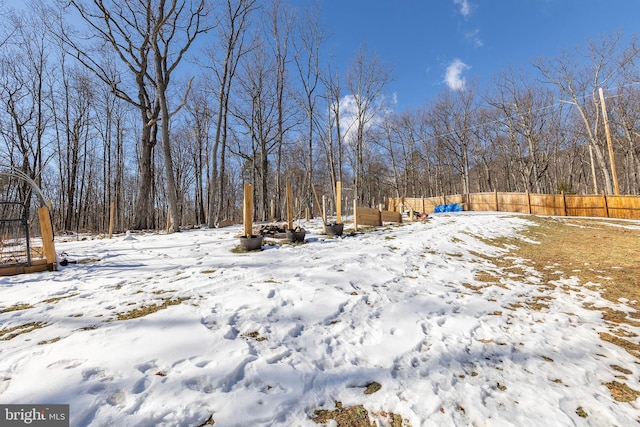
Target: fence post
[
  {"x": 497, "y": 206},
  {"x": 564, "y": 204},
  {"x": 605, "y": 204},
  {"x": 528, "y": 203}
]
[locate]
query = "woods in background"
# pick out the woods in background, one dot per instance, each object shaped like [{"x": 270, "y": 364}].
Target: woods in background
[{"x": 165, "y": 108}]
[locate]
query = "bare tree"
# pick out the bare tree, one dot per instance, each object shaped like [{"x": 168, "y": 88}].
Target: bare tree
[
  {"x": 307, "y": 58},
  {"x": 278, "y": 27},
  {"x": 366, "y": 80},
  {"x": 125, "y": 28},
  {"x": 140, "y": 32},
  {"x": 332, "y": 134},
  {"x": 453, "y": 117},
  {"x": 525, "y": 109},
  {"x": 24, "y": 89},
  {"x": 174, "y": 23},
  {"x": 233, "y": 29},
  {"x": 578, "y": 84},
  {"x": 257, "y": 112}
]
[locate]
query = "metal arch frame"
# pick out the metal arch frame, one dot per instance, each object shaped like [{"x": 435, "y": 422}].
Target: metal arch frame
[{"x": 13, "y": 172}]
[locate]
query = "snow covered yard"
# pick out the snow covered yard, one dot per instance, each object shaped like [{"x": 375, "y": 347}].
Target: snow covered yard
[{"x": 178, "y": 330}]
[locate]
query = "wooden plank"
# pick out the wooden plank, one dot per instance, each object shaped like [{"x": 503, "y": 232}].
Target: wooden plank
[
  {"x": 35, "y": 268},
  {"x": 46, "y": 230},
  {"x": 388, "y": 216},
  {"x": 368, "y": 216}
]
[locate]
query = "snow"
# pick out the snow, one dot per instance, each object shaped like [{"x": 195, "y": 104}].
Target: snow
[{"x": 267, "y": 338}]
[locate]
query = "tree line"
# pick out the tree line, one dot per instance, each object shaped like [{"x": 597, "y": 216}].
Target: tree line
[{"x": 165, "y": 108}]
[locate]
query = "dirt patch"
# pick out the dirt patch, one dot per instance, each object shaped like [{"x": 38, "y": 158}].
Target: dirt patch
[{"x": 357, "y": 416}]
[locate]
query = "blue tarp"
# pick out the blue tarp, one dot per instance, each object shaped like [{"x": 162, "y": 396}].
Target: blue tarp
[{"x": 451, "y": 207}]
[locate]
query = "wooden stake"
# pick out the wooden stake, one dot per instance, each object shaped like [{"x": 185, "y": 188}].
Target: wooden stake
[
  {"x": 339, "y": 202},
  {"x": 247, "y": 213},
  {"x": 606, "y": 129},
  {"x": 46, "y": 229},
  {"x": 289, "y": 207},
  {"x": 355, "y": 215},
  {"x": 324, "y": 210}
]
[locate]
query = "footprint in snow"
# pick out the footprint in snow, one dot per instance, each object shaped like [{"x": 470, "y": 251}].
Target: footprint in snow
[{"x": 66, "y": 363}]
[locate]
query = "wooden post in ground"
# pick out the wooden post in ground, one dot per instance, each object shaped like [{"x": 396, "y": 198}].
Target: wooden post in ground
[
  {"x": 528, "y": 202},
  {"x": 46, "y": 229},
  {"x": 247, "y": 211},
  {"x": 112, "y": 210},
  {"x": 289, "y": 207},
  {"x": 612, "y": 159},
  {"x": 355, "y": 215},
  {"x": 564, "y": 204},
  {"x": 339, "y": 202},
  {"x": 324, "y": 209},
  {"x": 497, "y": 206}
]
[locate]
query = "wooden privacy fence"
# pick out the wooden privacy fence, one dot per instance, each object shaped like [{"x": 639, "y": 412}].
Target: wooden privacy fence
[{"x": 598, "y": 205}]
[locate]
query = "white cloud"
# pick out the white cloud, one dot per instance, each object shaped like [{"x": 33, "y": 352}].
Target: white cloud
[
  {"x": 465, "y": 7},
  {"x": 453, "y": 77},
  {"x": 474, "y": 38}
]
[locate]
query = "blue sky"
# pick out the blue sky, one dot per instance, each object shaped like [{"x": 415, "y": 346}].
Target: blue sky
[{"x": 427, "y": 40}]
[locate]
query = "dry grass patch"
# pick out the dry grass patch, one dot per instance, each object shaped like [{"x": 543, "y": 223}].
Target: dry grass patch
[
  {"x": 601, "y": 255},
  {"x": 7, "y": 334},
  {"x": 58, "y": 299},
  {"x": 622, "y": 392},
  {"x": 594, "y": 251},
  {"x": 16, "y": 307},
  {"x": 149, "y": 309}
]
